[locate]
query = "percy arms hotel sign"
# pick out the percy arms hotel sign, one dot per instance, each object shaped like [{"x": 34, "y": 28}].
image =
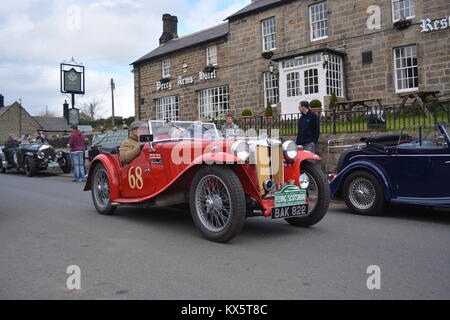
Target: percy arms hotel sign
[
  {"x": 202, "y": 76},
  {"x": 428, "y": 25}
]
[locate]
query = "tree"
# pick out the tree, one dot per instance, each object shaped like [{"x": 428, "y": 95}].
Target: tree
[{"x": 91, "y": 109}]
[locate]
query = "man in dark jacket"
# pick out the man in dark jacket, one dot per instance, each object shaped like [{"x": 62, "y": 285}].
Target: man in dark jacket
[
  {"x": 76, "y": 144},
  {"x": 308, "y": 127}
]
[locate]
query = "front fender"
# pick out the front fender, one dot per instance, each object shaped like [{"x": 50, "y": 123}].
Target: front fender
[
  {"x": 373, "y": 168},
  {"x": 216, "y": 158},
  {"x": 113, "y": 175}
]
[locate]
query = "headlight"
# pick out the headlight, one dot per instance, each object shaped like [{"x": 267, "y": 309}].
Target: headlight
[
  {"x": 303, "y": 181},
  {"x": 290, "y": 150},
  {"x": 59, "y": 154},
  {"x": 241, "y": 149},
  {"x": 40, "y": 155},
  {"x": 269, "y": 185}
]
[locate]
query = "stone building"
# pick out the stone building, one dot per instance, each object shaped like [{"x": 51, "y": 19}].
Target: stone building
[
  {"x": 364, "y": 49},
  {"x": 185, "y": 77},
  {"x": 14, "y": 119}
]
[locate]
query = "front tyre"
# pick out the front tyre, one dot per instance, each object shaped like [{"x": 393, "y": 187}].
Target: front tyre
[
  {"x": 65, "y": 163},
  {"x": 318, "y": 196},
  {"x": 363, "y": 193},
  {"x": 100, "y": 191},
  {"x": 217, "y": 203},
  {"x": 30, "y": 167}
]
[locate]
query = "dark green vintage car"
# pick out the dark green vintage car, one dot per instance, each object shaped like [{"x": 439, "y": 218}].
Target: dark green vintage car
[{"x": 32, "y": 158}]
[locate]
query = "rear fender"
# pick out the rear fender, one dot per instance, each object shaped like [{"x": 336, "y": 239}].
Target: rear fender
[
  {"x": 377, "y": 171},
  {"x": 111, "y": 170}
]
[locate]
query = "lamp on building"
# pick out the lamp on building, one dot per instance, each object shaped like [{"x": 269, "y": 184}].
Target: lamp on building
[
  {"x": 270, "y": 66},
  {"x": 326, "y": 59}
]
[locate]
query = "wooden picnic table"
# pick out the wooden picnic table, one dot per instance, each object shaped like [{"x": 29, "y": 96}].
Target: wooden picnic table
[
  {"x": 349, "y": 105},
  {"x": 419, "y": 97}
]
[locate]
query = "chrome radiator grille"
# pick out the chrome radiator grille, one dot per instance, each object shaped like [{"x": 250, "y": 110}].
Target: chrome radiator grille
[{"x": 269, "y": 165}]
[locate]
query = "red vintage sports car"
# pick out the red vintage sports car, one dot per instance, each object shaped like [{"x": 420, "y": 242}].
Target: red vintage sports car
[{"x": 224, "y": 180}]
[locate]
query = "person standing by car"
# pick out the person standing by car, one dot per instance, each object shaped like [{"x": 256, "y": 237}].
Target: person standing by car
[
  {"x": 131, "y": 148},
  {"x": 229, "y": 128},
  {"x": 308, "y": 127},
  {"x": 76, "y": 144}
]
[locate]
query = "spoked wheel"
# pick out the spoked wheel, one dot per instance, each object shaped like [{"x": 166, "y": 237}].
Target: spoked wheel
[
  {"x": 100, "y": 191},
  {"x": 318, "y": 196},
  {"x": 363, "y": 193},
  {"x": 217, "y": 203}
]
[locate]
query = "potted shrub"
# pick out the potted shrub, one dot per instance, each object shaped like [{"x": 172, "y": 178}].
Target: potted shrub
[
  {"x": 268, "y": 112},
  {"x": 209, "y": 68},
  {"x": 246, "y": 115},
  {"x": 316, "y": 106},
  {"x": 333, "y": 101},
  {"x": 267, "y": 54}
]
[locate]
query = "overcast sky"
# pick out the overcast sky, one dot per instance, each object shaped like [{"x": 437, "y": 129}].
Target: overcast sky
[{"x": 105, "y": 36}]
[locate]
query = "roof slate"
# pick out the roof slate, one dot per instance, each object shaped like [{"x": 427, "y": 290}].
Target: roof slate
[
  {"x": 53, "y": 124},
  {"x": 187, "y": 41},
  {"x": 257, "y": 6}
]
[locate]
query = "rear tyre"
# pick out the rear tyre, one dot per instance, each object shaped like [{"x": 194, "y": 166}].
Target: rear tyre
[
  {"x": 363, "y": 193},
  {"x": 100, "y": 191},
  {"x": 30, "y": 166},
  {"x": 217, "y": 203},
  {"x": 318, "y": 196}
]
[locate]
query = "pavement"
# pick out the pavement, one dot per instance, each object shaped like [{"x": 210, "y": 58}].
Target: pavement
[{"x": 47, "y": 223}]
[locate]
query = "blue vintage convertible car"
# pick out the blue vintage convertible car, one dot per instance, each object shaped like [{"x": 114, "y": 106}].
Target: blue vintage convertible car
[{"x": 395, "y": 169}]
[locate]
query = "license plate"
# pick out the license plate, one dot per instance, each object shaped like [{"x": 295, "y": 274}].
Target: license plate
[
  {"x": 290, "y": 195},
  {"x": 53, "y": 165},
  {"x": 289, "y": 211}
]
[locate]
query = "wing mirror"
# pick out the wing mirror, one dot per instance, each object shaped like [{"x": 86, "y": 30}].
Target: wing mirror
[{"x": 146, "y": 138}]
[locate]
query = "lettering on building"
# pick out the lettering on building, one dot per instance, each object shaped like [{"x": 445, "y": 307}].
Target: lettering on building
[{"x": 428, "y": 25}]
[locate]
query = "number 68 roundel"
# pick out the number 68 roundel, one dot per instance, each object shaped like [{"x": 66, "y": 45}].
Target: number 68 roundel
[{"x": 135, "y": 178}]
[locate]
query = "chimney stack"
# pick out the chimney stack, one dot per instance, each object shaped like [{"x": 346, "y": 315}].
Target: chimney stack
[
  {"x": 170, "y": 26},
  {"x": 2, "y": 101}
]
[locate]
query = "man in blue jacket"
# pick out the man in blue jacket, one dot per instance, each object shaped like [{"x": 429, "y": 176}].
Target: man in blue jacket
[{"x": 308, "y": 127}]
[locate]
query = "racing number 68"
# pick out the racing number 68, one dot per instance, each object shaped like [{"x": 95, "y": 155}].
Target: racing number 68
[{"x": 135, "y": 180}]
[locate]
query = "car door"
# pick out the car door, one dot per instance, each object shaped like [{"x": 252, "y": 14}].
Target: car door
[
  {"x": 439, "y": 172},
  {"x": 136, "y": 180},
  {"x": 409, "y": 172}
]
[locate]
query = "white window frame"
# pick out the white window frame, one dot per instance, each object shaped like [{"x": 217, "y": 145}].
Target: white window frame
[
  {"x": 312, "y": 23},
  {"x": 166, "y": 68},
  {"x": 211, "y": 56},
  {"x": 412, "y": 7},
  {"x": 311, "y": 81},
  {"x": 168, "y": 108},
  {"x": 334, "y": 76},
  {"x": 213, "y": 103},
  {"x": 269, "y": 40},
  {"x": 271, "y": 88},
  {"x": 396, "y": 69},
  {"x": 293, "y": 85}
]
